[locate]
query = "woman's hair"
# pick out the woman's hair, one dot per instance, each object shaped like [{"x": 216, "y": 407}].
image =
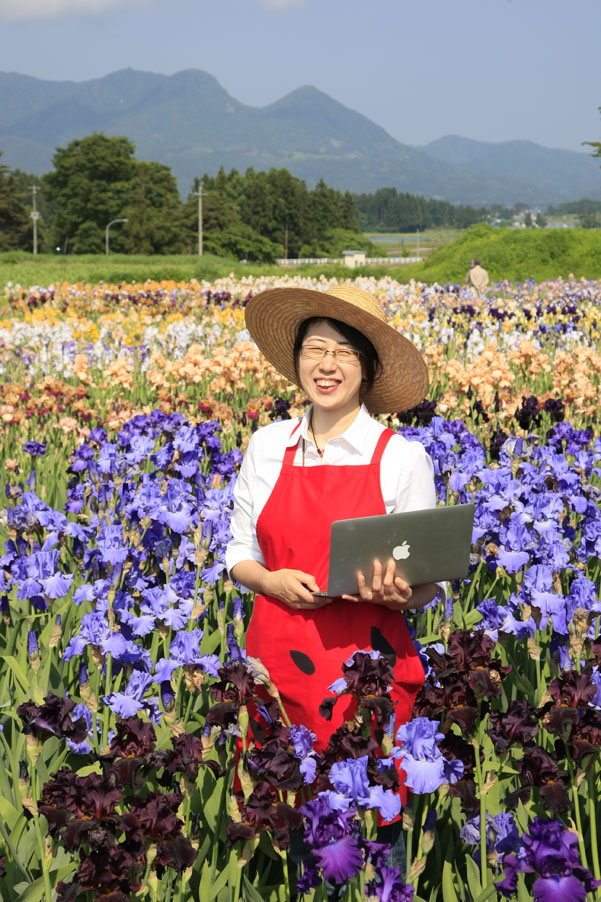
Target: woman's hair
[{"x": 369, "y": 356}]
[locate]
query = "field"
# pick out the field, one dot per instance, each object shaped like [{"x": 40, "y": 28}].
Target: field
[{"x": 125, "y": 408}]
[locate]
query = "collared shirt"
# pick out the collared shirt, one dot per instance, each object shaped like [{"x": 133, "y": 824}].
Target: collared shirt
[{"x": 406, "y": 473}]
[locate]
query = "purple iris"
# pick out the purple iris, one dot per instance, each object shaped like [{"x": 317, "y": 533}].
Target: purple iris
[
  {"x": 112, "y": 546},
  {"x": 350, "y": 780},
  {"x": 420, "y": 757},
  {"x": 302, "y": 741},
  {"x": 129, "y": 702},
  {"x": 84, "y": 747},
  {"x": 551, "y": 852},
  {"x": 36, "y": 449},
  {"x": 334, "y": 840},
  {"x": 392, "y": 888}
]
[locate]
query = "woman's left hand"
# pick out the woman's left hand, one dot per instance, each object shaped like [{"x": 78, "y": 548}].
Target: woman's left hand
[{"x": 386, "y": 588}]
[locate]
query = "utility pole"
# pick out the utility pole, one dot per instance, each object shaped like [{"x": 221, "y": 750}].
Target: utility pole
[
  {"x": 286, "y": 242},
  {"x": 35, "y": 216},
  {"x": 199, "y": 195}
]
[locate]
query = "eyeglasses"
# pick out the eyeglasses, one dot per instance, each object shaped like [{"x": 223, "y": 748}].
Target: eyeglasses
[{"x": 340, "y": 355}]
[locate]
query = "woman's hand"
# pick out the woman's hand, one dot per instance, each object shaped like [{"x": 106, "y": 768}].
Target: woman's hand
[
  {"x": 392, "y": 591},
  {"x": 294, "y": 588}
]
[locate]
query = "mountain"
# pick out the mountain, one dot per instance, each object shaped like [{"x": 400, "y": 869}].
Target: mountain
[
  {"x": 508, "y": 162},
  {"x": 189, "y": 122}
]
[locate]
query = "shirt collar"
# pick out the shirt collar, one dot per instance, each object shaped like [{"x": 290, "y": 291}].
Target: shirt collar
[{"x": 355, "y": 436}]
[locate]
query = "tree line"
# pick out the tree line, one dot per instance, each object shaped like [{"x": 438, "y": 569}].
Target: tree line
[
  {"x": 97, "y": 181},
  {"x": 258, "y": 216},
  {"x": 389, "y": 210}
]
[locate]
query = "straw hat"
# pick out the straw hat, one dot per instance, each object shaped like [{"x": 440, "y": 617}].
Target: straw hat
[{"x": 274, "y": 316}]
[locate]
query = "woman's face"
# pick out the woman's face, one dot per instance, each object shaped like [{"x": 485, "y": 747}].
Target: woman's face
[{"x": 329, "y": 383}]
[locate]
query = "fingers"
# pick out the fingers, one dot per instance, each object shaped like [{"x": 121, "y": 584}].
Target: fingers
[
  {"x": 308, "y": 580},
  {"x": 376, "y": 584}
]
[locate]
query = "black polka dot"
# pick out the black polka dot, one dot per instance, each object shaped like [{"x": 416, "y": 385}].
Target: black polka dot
[
  {"x": 302, "y": 661},
  {"x": 379, "y": 643}
]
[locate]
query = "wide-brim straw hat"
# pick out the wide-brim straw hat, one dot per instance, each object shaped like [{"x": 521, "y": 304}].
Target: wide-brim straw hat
[{"x": 273, "y": 318}]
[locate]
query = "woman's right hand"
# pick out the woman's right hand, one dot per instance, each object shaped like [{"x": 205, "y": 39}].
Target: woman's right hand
[{"x": 294, "y": 588}]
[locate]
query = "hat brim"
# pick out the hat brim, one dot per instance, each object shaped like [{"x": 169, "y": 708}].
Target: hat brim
[{"x": 273, "y": 318}]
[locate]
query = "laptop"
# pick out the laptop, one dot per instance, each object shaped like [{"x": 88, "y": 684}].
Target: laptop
[{"x": 429, "y": 546}]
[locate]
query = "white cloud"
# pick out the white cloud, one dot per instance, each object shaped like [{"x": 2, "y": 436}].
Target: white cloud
[{"x": 37, "y": 10}]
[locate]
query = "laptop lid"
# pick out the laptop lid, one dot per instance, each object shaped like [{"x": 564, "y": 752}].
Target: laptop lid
[{"x": 428, "y": 545}]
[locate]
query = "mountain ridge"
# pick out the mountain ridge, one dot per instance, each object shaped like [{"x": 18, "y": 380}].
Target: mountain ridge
[{"x": 190, "y": 122}]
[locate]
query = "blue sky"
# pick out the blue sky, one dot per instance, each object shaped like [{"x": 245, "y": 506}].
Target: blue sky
[{"x": 493, "y": 70}]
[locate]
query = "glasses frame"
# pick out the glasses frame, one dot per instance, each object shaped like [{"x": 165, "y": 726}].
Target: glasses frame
[{"x": 319, "y": 353}]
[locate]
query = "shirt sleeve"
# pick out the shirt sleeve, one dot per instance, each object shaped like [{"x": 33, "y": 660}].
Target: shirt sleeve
[
  {"x": 407, "y": 477},
  {"x": 243, "y": 545},
  {"x": 410, "y": 475}
]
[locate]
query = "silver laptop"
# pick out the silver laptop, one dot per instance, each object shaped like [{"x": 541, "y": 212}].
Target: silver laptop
[{"x": 428, "y": 546}]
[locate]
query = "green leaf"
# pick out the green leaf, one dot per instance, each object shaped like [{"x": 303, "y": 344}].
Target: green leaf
[
  {"x": 219, "y": 884},
  {"x": 488, "y": 893},
  {"x": 473, "y": 877},
  {"x": 250, "y": 893},
  {"x": 211, "y": 793},
  {"x": 521, "y": 816},
  {"x": 523, "y": 894},
  {"x": 19, "y": 672},
  {"x": 35, "y": 892},
  {"x": 448, "y": 884}
]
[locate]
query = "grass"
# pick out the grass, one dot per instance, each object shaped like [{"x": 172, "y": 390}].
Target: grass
[{"x": 510, "y": 254}]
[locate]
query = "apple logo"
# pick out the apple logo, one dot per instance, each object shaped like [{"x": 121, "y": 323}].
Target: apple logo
[{"x": 401, "y": 552}]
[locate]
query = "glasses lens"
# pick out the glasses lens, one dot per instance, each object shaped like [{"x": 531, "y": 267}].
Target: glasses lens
[
  {"x": 346, "y": 355},
  {"x": 313, "y": 352},
  {"x": 343, "y": 355}
]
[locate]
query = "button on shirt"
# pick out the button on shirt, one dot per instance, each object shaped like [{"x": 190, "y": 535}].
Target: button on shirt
[{"x": 406, "y": 473}]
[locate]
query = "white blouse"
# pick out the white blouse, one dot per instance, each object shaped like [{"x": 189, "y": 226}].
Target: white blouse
[{"x": 406, "y": 473}]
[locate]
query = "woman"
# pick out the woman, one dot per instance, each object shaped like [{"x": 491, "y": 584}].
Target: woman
[{"x": 336, "y": 462}]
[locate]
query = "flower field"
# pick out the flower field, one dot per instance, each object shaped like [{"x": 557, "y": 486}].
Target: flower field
[{"x": 127, "y": 769}]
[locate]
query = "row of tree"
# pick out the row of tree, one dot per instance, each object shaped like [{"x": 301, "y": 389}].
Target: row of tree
[
  {"x": 97, "y": 180},
  {"x": 389, "y": 210},
  {"x": 256, "y": 215}
]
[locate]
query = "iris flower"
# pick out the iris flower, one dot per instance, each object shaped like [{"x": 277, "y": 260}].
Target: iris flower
[{"x": 420, "y": 757}]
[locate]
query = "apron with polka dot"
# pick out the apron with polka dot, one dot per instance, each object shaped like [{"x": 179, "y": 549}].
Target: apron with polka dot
[{"x": 304, "y": 650}]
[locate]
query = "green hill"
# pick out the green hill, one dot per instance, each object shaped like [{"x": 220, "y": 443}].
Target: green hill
[{"x": 513, "y": 255}]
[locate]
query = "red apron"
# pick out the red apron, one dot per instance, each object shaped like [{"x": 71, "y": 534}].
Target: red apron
[{"x": 304, "y": 650}]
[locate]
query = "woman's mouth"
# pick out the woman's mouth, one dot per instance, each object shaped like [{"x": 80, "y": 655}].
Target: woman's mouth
[{"x": 325, "y": 386}]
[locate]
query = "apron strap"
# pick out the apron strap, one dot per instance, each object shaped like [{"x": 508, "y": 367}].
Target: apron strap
[
  {"x": 381, "y": 445},
  {"x": 291, "y": 449}
]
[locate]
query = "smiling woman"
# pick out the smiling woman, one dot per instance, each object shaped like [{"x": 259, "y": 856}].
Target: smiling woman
[{"x": 334, "y": 463}]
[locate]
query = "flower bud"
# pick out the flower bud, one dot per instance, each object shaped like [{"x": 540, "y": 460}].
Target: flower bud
[
  {"x": 243, "y": 720},
  {"x": 56, "y": 632}
]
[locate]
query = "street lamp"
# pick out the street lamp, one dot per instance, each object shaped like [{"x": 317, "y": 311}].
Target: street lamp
[{"x": 106, "y": 233}]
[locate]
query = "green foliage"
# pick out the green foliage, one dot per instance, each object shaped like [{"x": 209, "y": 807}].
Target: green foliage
[
  {"x": 242, "y": 243},
  {"x": 390, "y": 210},
  {"x": 89, "y": 187},
  {"x": 578, "y": 207},
  {"x": 152, "y": 213},
  {"x": 14, "y": 216},
  {"x": 514, "y": 255}
]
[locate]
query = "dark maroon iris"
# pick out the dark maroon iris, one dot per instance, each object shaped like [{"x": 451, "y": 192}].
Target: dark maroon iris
[{"x": 52, "y": 718}]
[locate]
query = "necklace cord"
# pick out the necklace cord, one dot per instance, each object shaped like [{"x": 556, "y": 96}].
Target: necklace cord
[{"x": 320, "y": 451}]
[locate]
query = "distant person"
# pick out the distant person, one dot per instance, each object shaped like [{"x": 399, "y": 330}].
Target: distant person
[{"x": 476, "y": 276}]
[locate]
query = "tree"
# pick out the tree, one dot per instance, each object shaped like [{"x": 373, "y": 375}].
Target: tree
[
  {"x": 15, "y": 222},
  {"x": 91, "y": 185},
  {"x": 153, "y": 212}
]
